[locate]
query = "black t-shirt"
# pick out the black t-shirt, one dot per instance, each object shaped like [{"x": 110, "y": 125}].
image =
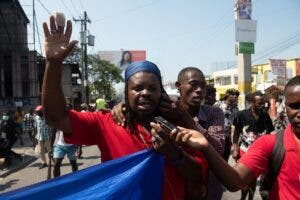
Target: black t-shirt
[
  {"x": 250, "y": 129},
  {"x": 10, "y": 129},
  {"x": 246, "y": 119}
]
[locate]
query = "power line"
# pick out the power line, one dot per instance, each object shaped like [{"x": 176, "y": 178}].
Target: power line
[
  {"x": 44, "y": 7},
  {"x": 127, "y": 11},
  {"x": 81, "y": 5},
  {"x": 77, "y": 12},
  {"x": 280, "y": 47},
  {"x": 38, "y": 33},
  {"x": 67, "y": 8}
]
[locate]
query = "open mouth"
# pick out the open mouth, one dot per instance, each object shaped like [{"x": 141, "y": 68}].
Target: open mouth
[
  {"x": 145, "y": 105},
  {"x": 197, "y": 98}
]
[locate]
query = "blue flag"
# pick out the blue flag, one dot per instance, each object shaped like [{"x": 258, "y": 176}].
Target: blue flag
[{"x": 136, "y": 176}]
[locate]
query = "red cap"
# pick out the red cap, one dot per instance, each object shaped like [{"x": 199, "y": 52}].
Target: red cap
[{"x": 39, "y": 108}]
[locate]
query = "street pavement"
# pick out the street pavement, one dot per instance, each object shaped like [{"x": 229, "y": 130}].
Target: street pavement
[
  {"x": 25, "y": 171},
  {"x": 236, "y": 195}
]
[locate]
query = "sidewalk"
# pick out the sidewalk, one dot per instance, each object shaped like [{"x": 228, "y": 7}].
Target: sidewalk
[{"x": 27, "y": 153}]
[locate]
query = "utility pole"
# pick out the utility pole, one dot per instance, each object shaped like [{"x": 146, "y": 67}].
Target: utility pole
[
  {"x": 244, "y": 67},
  {"x": 83, "y": 42},
  {"x": 33, "y": 23}
]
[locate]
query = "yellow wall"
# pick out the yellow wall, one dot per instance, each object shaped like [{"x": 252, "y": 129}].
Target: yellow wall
[{"x": 256, "y": 69}]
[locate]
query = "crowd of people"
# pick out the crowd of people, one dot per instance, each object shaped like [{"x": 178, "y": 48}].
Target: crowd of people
[{"x": 196, "y": 153}]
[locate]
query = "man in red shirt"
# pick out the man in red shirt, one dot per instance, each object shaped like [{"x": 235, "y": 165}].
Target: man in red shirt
[
  {"x": 143, "y": 91},
  {"x": 255, "y": 161}
]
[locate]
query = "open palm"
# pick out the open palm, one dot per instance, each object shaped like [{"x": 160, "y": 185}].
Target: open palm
[{"x": 57, "y": 43}]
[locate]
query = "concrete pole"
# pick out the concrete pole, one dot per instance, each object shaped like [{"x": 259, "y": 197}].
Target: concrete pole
[
  {"x": 244, "y": 72},
  {"x": 244, "y": 78}
]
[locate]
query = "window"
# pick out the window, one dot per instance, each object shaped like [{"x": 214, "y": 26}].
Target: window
[
  {"x": 259, "y": 78},
  {"x": 223, "y": 80},
  {"x": 235, "y": 79},
  {"x": 218, "y": 81},
  {"x": 226, "y": 80}
]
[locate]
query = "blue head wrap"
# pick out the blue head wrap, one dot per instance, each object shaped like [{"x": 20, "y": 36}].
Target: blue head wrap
[{"x": 142, "y": 66}]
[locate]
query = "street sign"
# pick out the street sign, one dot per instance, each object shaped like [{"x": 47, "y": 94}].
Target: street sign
[
  {"x": 246, "y": 47},
  {"x": 245, "y": 30},
  {"x": 278, "y": 67}
]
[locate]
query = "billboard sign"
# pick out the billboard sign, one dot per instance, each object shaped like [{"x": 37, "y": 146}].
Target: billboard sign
[
  {"x": 244, "y": 9},
  {"x": 123, "y": 58},
  {"x": 245, "y": 30},
  {"x": 246, "y": 47},
  {"x": 278, "y": 67}
]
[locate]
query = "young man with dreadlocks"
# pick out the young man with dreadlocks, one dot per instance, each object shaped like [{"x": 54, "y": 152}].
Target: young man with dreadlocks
[
  {"x": 188, "y": 112},
  {"x": 143, "y": 93}
]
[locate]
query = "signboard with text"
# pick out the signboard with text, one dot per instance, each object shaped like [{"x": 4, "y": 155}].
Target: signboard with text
[
  {"x": 123, "y": 58},
  {"x": 278, "y": 67},
  {"x": 246, "y": 47},
  {"x": 245, "y": 30}
]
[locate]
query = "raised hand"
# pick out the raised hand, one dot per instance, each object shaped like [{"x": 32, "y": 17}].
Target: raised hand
[{"x": 57, "y": 42}]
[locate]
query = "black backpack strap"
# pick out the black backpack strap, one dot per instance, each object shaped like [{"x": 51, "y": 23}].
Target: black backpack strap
[{"x": 277, "y": 157}]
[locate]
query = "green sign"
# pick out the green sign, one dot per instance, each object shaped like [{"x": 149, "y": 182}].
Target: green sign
[{"x": 246, "y": 47}]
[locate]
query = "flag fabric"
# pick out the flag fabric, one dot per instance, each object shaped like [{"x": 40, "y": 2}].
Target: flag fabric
[{"x": 136, "y": 176}]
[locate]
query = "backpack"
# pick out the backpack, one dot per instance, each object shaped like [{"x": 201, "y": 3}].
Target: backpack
[{"x": 275, "y": 163}]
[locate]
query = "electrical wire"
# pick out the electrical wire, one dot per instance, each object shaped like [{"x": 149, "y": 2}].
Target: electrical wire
[
  {"x": 279, "y": 47},
  {"x": 77, "y": 12},
  {"x": 38, "y": 33},
  {"x": 81, "y": 5},
  {"x": 126, "y": 11},
  {"x": 65, "y": 6},
  {"x": 44, "y": 7}
]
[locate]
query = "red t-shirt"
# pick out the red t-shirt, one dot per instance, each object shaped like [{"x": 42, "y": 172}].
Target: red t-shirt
[
  {"x": 287, "y": 184},
  {"x": 97, "y": 128}
]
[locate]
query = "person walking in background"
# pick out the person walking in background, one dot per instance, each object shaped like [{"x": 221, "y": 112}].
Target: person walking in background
[
  {"x": 230, "y": 109},
  {"x": 43, "y": 135},
  {"x": 249, "y": 125},
  {"x": 210, "y": 97},
  {"x": 29, "y": 126},
  {"x": 9, "y": 135},
  {"x": 100, "y": 104},
  {"x": 19, "y": 117},
  {"x": 60, "y": 149}
]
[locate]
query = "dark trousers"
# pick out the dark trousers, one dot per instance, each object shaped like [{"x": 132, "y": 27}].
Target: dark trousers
[{"x": 227, "y": 148}]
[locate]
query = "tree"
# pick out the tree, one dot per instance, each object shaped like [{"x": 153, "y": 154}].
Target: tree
[
  {"x": 102, "y": 76},
  {"x": 75, "y": 56}
]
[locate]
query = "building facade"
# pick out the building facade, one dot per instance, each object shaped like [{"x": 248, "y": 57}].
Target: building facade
[{"x": 21, "y": 70}]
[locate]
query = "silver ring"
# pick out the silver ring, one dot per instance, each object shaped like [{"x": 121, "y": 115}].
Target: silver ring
[{"x": 53, "y": 31}]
